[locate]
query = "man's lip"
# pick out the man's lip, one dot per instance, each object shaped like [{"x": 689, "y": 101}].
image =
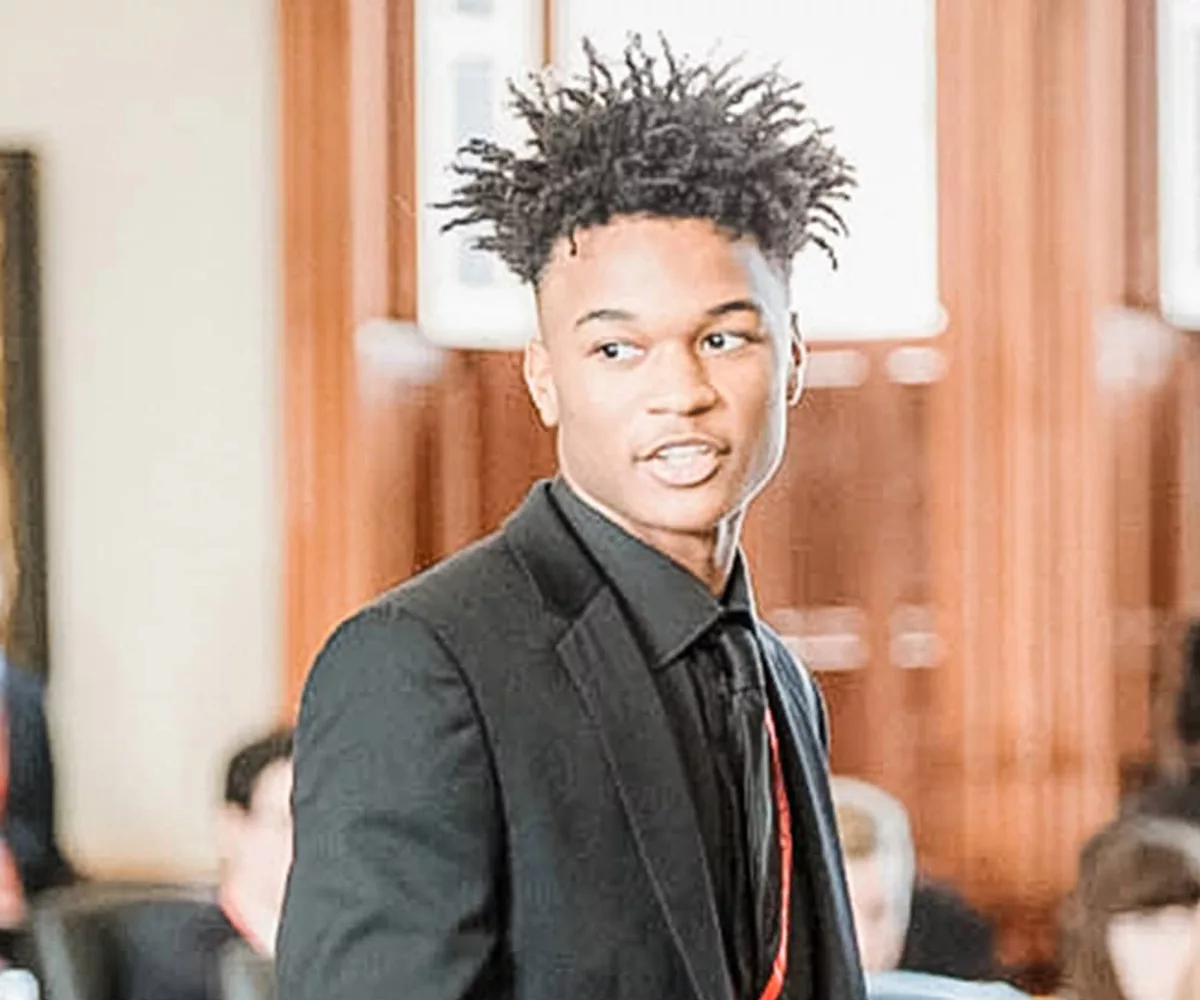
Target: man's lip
[{"x": 685, "y": 441}]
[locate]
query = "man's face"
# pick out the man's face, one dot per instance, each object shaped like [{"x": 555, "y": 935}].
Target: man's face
[
  {"x": 880, "y": 937},
  {"x": 665, "y": 361},
  {"x": 257, "y": 842}
]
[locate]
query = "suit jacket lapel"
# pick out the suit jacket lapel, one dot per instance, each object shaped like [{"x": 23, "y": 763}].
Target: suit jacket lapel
[
  {"x": 834, "y": 949},
  {"x": 607, "y": 667}
]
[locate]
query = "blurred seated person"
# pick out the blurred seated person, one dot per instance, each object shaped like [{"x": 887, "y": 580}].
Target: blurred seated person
[
  {"x": 254, "y": 846},
  {"x": 903, "y": 922},
  {"x": 1178, "y": 796},
  {"x": 1130, "y": 928},
  {"x": 30, "y": 860}
]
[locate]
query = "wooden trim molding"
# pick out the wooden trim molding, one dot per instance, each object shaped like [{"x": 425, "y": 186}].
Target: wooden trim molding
[
  {"x": 349, "y": 257},
  {"x": 314, "y": 57}
]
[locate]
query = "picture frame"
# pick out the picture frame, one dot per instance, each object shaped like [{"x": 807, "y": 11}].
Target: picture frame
[{"x": 23, "y": 595}]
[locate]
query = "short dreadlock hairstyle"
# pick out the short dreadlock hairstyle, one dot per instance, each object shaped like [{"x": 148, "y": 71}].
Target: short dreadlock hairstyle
[{"x": 691, "y": 142}]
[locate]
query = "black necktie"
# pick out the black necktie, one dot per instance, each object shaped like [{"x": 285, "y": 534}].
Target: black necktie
[{"x": 748, "y": 741}]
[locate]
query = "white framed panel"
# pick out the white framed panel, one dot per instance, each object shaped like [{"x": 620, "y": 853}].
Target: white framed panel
[
  {"x": 1179, "y": 161},
  {"x": 467, "y": 51},
  {"x": 869, "y": 70}
]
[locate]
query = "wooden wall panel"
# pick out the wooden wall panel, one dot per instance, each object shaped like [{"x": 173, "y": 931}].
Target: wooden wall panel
[
  {"x": 314, "y": 43},
  {"x": 353, "y": 440},
  {"x": 1032, "y": 153}
]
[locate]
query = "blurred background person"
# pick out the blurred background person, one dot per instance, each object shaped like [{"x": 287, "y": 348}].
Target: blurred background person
[
  {"x": 1130, "y": 925},
  {"x": 1176, "y": 793},
  {"x": 254, "y": 838},
  {"x": 30, "y": 859},
  {"x": 880, "y": 869},
  {"x": 180, "y": 959},
  {"x": 903, "y": 922}
]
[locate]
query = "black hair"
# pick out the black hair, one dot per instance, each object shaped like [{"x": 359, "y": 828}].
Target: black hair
[
  {"x": 665, "y": 138},
  {"x": 247, "y": 765}
]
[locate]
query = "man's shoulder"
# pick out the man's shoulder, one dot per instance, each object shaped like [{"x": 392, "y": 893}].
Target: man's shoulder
[
  {"x": 479, "y": 601},
  {"x": 485, "y": 577}
]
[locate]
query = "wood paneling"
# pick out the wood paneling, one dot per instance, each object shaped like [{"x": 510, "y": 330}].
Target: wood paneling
[
  {"x": 1032, "y": 200},
  {"x": 353, "y": 450},
  {"x": 314, "y": 58}
]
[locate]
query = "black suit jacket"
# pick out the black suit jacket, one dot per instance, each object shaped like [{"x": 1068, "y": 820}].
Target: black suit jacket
[
  {"x": 489, "y": 802},
  {"x": 29, "y": 827}
]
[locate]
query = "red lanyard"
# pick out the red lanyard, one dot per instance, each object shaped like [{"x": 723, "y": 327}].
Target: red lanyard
[{"x": 783, "y": 815}]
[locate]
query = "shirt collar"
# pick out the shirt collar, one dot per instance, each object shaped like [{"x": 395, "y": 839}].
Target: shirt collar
[{"x": 668, "y": 606}]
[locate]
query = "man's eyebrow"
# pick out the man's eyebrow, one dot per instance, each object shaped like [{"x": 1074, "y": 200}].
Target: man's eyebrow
[
  {"x": 605, "y": 316},
  {"x": 624, "y": 316},
  {"x": 736, "y": 305}
]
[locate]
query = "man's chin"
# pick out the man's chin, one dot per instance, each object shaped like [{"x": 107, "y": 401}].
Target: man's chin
[{"x": 700, "y": 511}]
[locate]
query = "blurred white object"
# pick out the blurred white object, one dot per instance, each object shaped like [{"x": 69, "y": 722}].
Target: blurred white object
[
  {"x": 869, "y": 70},
  {"x": 1179, "y": 161},
  {"x": 18, "y": 984},
  {"x": 467, "y": 50}
]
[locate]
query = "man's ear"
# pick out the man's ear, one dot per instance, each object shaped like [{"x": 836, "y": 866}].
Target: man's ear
[
  {"x": 539, "y": 380},
  {"x": 796, "y": 362}
]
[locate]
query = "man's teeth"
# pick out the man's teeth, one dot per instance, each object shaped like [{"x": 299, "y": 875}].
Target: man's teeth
[{"x": 683, "y": 452}]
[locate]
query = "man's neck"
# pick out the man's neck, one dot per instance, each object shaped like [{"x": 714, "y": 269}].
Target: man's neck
[
  {"x": 255, "y": 920},
  {"x": 708, "y": 556}
]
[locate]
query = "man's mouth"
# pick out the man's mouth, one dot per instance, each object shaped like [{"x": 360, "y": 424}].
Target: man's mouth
[{"x": 682, "y": 464}]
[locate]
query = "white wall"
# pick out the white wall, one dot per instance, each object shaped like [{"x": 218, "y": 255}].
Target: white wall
[{"x": 156, "y": 124}]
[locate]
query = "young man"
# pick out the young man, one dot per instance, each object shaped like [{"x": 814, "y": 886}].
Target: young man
[{"x": 570, "y": 762}]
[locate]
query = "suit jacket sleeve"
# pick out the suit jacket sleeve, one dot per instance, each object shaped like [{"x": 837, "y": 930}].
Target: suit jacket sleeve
[{"x": 393, "y": 886}]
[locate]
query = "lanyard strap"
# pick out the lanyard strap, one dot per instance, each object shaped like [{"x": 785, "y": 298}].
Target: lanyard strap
[{"x": 783, "y": 816}]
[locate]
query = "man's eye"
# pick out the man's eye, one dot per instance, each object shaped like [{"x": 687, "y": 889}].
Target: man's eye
[
  {"x": 725, "y": 340},
  {"x": 615, "y": 350}
]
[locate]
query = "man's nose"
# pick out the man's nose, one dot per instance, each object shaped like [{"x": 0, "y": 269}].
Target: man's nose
[{"x": 680, "y": 383}]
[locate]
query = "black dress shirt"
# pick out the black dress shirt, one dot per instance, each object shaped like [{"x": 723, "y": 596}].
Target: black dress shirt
[{"x": 689, "y": 636}]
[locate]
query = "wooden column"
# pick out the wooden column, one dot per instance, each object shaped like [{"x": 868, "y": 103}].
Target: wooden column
[
  {"x": 354, "y": 442},
  {"x": 1031, "y": 145}
]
